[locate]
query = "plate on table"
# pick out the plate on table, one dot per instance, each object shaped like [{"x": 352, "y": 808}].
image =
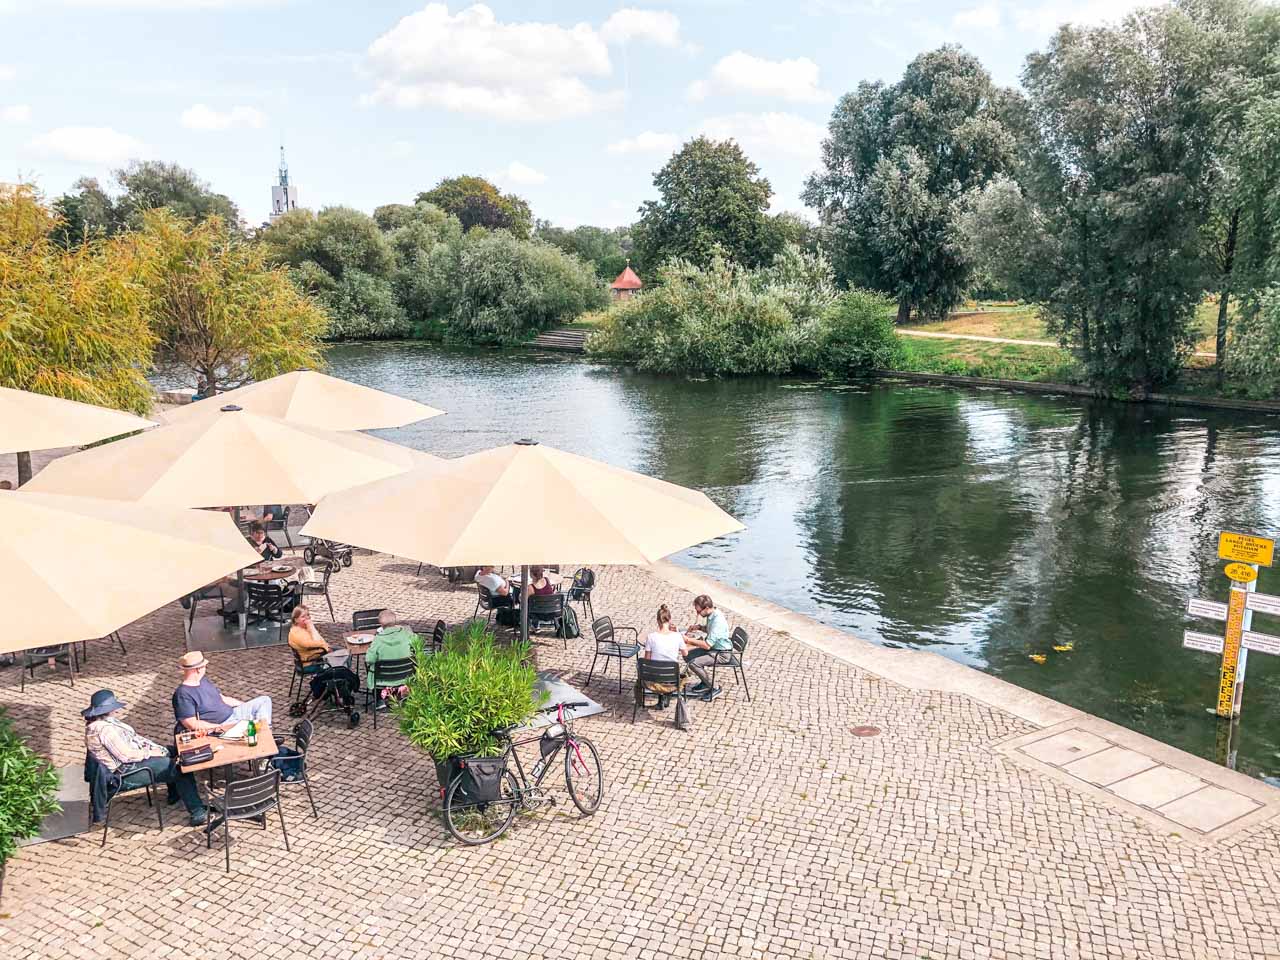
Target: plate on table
[{"x": 282, "y": 568}]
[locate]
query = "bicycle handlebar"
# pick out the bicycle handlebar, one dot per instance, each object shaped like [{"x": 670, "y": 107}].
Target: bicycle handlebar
[{"x": 566, "y": 705}]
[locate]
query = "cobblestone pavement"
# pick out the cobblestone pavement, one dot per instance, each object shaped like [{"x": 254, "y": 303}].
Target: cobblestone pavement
[{"x": 768, "y": 830}]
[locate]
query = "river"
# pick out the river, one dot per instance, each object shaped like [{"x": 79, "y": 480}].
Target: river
[{"x": 986, "y": 525}]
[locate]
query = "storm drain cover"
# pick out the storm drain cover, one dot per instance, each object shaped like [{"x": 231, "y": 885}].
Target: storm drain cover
[{"x": 865, "y": 730}]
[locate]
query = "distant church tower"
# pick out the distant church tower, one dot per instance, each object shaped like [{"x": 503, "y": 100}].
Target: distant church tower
[{"x": 284, "y": 195}]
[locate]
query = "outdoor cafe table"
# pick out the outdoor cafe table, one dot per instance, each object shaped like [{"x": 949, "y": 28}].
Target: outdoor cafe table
[
  {"x": 228, "y": 752},
  {"x": 267, "y": 570},
  {"x": 357, "y": 646}
]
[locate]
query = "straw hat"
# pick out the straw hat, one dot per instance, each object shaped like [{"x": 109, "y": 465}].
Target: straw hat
[{"x": 192, "y": 660}]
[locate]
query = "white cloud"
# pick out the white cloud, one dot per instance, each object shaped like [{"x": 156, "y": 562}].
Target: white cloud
[
  {"x": 986, "y": 16},
  {"x": 1045, "y": 18},
  {"x": 471, "y": 62},
  {"x": 795, "y": 80},
  {"x": 8, "y": 71},
  {"x": 201, "y": 117},
  {"x": 660, "y": 27},
  {"x": 772, "y": 133},
  {"x": 648, "y": 142},
  {"x": 88, "y": 145},
  {"x": 18, "y": 113},
  {"x": 175, "y": 5},
  {"x": 518, "y": 174}
]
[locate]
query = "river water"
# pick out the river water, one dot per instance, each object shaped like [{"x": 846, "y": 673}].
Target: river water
[{"x": 986, "y": 525}]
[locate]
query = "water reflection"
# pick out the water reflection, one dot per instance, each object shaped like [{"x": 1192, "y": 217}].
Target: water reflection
[{"x": 992, "y": 526}]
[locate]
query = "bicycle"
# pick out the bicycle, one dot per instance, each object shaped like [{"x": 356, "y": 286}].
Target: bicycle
[{"x": 474, "y": 821}]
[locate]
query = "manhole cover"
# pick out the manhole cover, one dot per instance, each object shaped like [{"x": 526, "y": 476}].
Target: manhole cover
[{"x": 866, "y": 730}]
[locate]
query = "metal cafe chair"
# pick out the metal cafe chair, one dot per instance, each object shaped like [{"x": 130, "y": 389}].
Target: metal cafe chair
[
  {"x": 246, "y": 799},
  {"x": 607, "y": 646}
]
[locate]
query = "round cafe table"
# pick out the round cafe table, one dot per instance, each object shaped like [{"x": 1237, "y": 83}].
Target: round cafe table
[
  {"x": 357, "y": 646},
  {"x": 286, "y": 568}
]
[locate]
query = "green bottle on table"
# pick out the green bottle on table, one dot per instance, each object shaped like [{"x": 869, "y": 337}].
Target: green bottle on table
[{"x": 253, "y": 734}]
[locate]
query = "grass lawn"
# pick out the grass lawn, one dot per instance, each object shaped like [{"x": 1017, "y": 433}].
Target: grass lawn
[
  {"x": 1016, "y": 322},
  {"x": 996, "y": 361}
]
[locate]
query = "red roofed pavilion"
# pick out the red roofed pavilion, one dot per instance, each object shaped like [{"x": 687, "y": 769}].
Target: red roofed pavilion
[{"x": 627, "y": 284}]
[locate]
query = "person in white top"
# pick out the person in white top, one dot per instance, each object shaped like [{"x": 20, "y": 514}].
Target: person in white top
[
  {"x": 499, "y": 589},
  {"x": 668, "y": 643}
]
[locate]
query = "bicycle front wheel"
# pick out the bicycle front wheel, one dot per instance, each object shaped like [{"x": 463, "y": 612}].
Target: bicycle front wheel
[
  {"x": 476, "y": 823},
  {"x": 583, "y": 775}
]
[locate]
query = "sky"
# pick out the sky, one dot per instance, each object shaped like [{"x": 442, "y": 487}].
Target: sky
[{"x": 573, "y": 105}]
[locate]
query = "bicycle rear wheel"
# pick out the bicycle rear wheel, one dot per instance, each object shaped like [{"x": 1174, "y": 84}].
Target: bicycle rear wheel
[
  {"x": 583, "y": 775},
  {"x": 476, "y": 823}
]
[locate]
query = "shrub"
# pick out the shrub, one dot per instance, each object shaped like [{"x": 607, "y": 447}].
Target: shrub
[
  {"x": 856, "y": 335},
  {"x": 28, "y": 785},
  {"x": 458, "y": 696},
  {"x": 1253, "y": 355}
]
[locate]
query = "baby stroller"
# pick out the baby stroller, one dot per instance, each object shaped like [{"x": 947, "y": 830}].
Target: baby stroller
[{"x": 329, "y": 549}]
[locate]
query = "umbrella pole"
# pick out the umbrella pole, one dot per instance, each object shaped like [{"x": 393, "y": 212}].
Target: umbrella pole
[{"x": 524, "y": 603}]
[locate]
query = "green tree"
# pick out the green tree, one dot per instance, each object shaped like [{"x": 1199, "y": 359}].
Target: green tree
[
  {"x": 72, "y": 321},
  {"x": 217, "y": 309},
  {"x": 911, "y": 151},
  {"x": 84, "y": 212},
  {"x": 422, "y": 227},
  {"x": 151, "y": 184},
  {"x": 340, "y": 257},
  {"x": 1119, "y": 186},
  {"x": 712, "y": 201},
  {"x": 478, "y": 203},
  {"x": 607, "y": 250}
]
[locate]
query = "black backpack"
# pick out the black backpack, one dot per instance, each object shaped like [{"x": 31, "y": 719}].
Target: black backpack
[{"x": 568, "y": 629}]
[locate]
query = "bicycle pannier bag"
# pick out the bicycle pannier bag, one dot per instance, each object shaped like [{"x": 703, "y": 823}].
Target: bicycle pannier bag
[{"x": 482, "y": 779}]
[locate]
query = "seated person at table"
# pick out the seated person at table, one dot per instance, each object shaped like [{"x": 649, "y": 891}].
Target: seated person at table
[
  {"x": 258, "y": 539},
  {"x": 706, "y": 641},
  {"x": 499, "y": 589},
  {"x": 667, "y": 644},
  {"x": 200, "y": 706},
  {"x": 538, "y": 585},
  {"x": 306, "y": 642},
  {"x": 393, "y": 641},
  {"x": 121, "y": 750}
]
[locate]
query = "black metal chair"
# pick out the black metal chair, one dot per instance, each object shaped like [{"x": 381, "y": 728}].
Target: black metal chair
[
  {"x": 211, "y": 592},
  {"x": 386, "y": 673},
  {"x": 59, "y": 653},
  {"x": 432, "y": 633},
  {"x": 365, "y": 619},
  {"x": 113, "y": 636},
  {"x": 301, "y": 672},
  {"x": 486, "y": 601},
  {"x": 115, "y": 784},
  {"x": 301, "y": 737},
  {"x": 320, "y": 588},
  {"x": 250, "y": 798},
  {"x": 546, "y": 610},
  {"x": 607, "y": 646},
  {"x": 281, "y": 524},
  {"x": 663, "y": 672},
  {"x": 268, "y": 601},
  {"x": 732, "y": 659},
  {"x": 584, "y": 581}
]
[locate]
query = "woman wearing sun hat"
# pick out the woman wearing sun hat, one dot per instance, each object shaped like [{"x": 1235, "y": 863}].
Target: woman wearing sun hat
[{"x": 121, "y": 750}]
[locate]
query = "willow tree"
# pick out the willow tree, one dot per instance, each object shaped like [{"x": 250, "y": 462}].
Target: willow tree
[
  {"x": 219, "y": 312},
  {"x": 73, "y": 323}
]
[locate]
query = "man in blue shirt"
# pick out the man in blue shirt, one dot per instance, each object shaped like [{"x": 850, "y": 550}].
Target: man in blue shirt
[
  {"x": 706, "y": 641},
  {"x": 199, "y": 705}
]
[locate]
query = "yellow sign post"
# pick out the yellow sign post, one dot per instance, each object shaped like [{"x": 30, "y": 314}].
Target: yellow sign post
[
  {"x": 1246, "y": 549},
  {"x": 1241, "y": 572},
  {"x": 1231, "y": 657}
]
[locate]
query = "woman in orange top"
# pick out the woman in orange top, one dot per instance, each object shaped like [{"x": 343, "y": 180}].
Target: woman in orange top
[{"x": 306, "y": 642}]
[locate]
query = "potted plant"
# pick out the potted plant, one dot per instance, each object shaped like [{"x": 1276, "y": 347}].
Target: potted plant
[
  {"x": 456, "y": 698},
  {"x": 28, "y": 786}
]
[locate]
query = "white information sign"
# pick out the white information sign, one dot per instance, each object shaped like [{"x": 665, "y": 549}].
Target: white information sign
[
  {"x": 1263, "y": 603},
  {"x": 1207, "y": 608},
  {"x": 1202, "y": 641},
  {"x": 1262, "y": 642}
]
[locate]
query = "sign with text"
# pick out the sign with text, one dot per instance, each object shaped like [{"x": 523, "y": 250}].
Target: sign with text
[
  {"x": 1201, "y": 641},
  {"x": 1241, "y": 572},
  {"x": 1231, "y": 652},
  {"x": 1262, "y": 642},
  {"x": 1210, "y": 609},
  {"x": 1263, "y": 603},
  {"x": 1246, "y": 549}
]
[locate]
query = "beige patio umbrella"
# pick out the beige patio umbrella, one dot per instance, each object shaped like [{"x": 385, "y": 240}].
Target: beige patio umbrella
[
  {"x": 231, "y": 459},
  {"x": 524, "y": 503},
  {"x": 76, "y": 568},
  {"x": 33, "y": 421},
  {"x": 314, "y": 399}
]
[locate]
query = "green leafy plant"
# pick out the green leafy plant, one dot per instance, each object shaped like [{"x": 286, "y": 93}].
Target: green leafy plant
[
  {"x": 28, "y": 785},
  {"x": 459, "y": 696},
  {"x": 856, "y": 335}
]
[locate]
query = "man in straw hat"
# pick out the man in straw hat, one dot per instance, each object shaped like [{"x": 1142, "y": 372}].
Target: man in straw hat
[
  {"x": 121, "y": 750},
  {"x": 199, "y": 705}
]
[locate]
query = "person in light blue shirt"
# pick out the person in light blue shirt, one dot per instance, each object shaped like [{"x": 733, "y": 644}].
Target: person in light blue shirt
[{"x": 706, "y": 640}]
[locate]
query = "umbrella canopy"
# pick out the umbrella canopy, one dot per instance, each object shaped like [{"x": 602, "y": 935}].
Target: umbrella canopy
[
  {"x": 32, "y": 421},
  {"x": 314, "y": 400},
  {"x": 232, "y": 459},
  {"x": 521, "y": 504},
  {"x": 76, "y": 568}
]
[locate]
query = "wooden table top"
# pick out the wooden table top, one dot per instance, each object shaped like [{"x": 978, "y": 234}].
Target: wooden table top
[
  {"x": 232, "y": 751},
  {"x": 360, "y": 639},
  {"x": 264, "y": 572}
]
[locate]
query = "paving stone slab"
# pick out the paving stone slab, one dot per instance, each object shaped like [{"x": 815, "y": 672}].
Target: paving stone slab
[
  {"x": 1208, "y": 809},
  {"x": 1156, "y": 787},
  {"x": 1108, "y": 766},
  {"x": 1062, "y": 748}
]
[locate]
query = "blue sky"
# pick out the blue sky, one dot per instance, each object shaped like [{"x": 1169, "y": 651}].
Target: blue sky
[{"x": 571, "y": 104}]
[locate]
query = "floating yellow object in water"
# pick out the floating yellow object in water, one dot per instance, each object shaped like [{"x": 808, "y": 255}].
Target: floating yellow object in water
[
  {"x": 1039, "y": 657},
  {"x": 1064, "y": 648}
]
